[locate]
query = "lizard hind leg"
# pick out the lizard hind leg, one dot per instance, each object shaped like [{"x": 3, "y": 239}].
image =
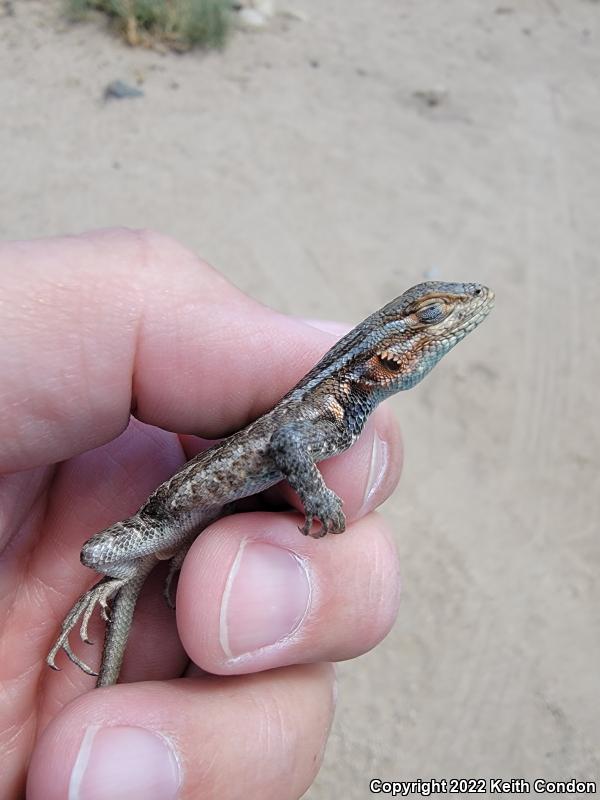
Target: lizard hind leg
[
  {"x": 99, "y": 594},
  {"x": 177, "y": 557},
  {"x": 175, "y": 563}
]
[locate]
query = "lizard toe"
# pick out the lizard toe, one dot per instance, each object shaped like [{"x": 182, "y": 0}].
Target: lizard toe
[{"x": 306, "y": 528}]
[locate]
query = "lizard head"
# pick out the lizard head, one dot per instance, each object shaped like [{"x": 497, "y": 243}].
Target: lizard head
[
  {"x": 409, "y": 335},
  {"x": 398, "y": 345}
]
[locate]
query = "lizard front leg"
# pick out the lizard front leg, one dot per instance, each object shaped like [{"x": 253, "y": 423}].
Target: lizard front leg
[{"x": 295, "y": 449}]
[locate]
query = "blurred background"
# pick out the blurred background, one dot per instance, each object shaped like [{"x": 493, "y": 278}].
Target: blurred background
[{"x": 330, "y": 156}]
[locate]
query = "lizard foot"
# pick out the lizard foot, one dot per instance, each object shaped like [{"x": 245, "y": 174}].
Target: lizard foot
[
  {"x": 99, "y": 594},
  {"x": 326, "y": 507},
  {"x": 174, "y": 567},
  {"x": 168, "y": 587}
]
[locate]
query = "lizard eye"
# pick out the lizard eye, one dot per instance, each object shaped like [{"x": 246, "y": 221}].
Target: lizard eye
[{"x": 434, "y": 312}]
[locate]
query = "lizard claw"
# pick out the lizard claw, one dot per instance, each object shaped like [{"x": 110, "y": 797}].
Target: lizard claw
[
  {"x": 327, "y": 508},
  {"x": 305, "y": 529},
  {"x": 176, "y": 561},
  {"x": 82, "y": 610},
  {"x": 167, "y": 593}
]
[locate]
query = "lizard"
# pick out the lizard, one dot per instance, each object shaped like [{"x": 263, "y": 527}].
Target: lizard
[{"x": 390, "y": 351}]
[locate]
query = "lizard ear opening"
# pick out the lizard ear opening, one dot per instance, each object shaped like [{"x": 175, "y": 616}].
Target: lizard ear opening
[{"x": 389, "y": 361}]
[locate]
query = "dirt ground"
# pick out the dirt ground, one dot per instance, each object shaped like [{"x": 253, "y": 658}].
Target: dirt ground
[{"x": 325, "y": 164}]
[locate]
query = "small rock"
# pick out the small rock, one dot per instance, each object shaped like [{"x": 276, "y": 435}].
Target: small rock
[
  {"x": 264, "y": 7},
  {"x": 251, "y": 18},
  {"x": 431, "y": 97},
  {"x": 120, "y": 90}
]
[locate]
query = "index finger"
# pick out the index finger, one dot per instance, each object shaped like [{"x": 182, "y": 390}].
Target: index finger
[{"x": 98, "y": 325}]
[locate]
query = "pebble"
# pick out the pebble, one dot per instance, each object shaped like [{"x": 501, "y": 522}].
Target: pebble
[
  {"x": 264, "y": 7},
  {"x": 251, "y": 18},
  {"x": 120, "y": 89},
  {"x": 431, "y": 97}
]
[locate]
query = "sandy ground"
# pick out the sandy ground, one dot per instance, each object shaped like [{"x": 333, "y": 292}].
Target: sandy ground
[{"x": 301, "y": 163}]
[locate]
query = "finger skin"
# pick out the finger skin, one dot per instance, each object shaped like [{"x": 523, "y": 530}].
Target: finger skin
[
  {"x": 96, "y": 315},
  {"x": 352, "y": 600},
  {"x": 257, "y": 736},
  {"x": 102, "y": 323},
  {"x": 95, "y": 327}
]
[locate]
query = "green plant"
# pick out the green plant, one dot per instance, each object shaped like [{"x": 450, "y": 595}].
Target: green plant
[
  {"x": 76, "y": 9},
  {"x": 178, "y": 23}
]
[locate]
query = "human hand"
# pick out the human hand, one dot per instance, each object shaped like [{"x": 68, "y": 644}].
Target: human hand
[{"x": 97, "y": 327}]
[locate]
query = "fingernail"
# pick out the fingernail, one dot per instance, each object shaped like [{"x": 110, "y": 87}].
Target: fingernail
[
  {"x": 377, "y": 467},
  {"x": 265, "y": 599},
  {"x": 124, "y": 761}
]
